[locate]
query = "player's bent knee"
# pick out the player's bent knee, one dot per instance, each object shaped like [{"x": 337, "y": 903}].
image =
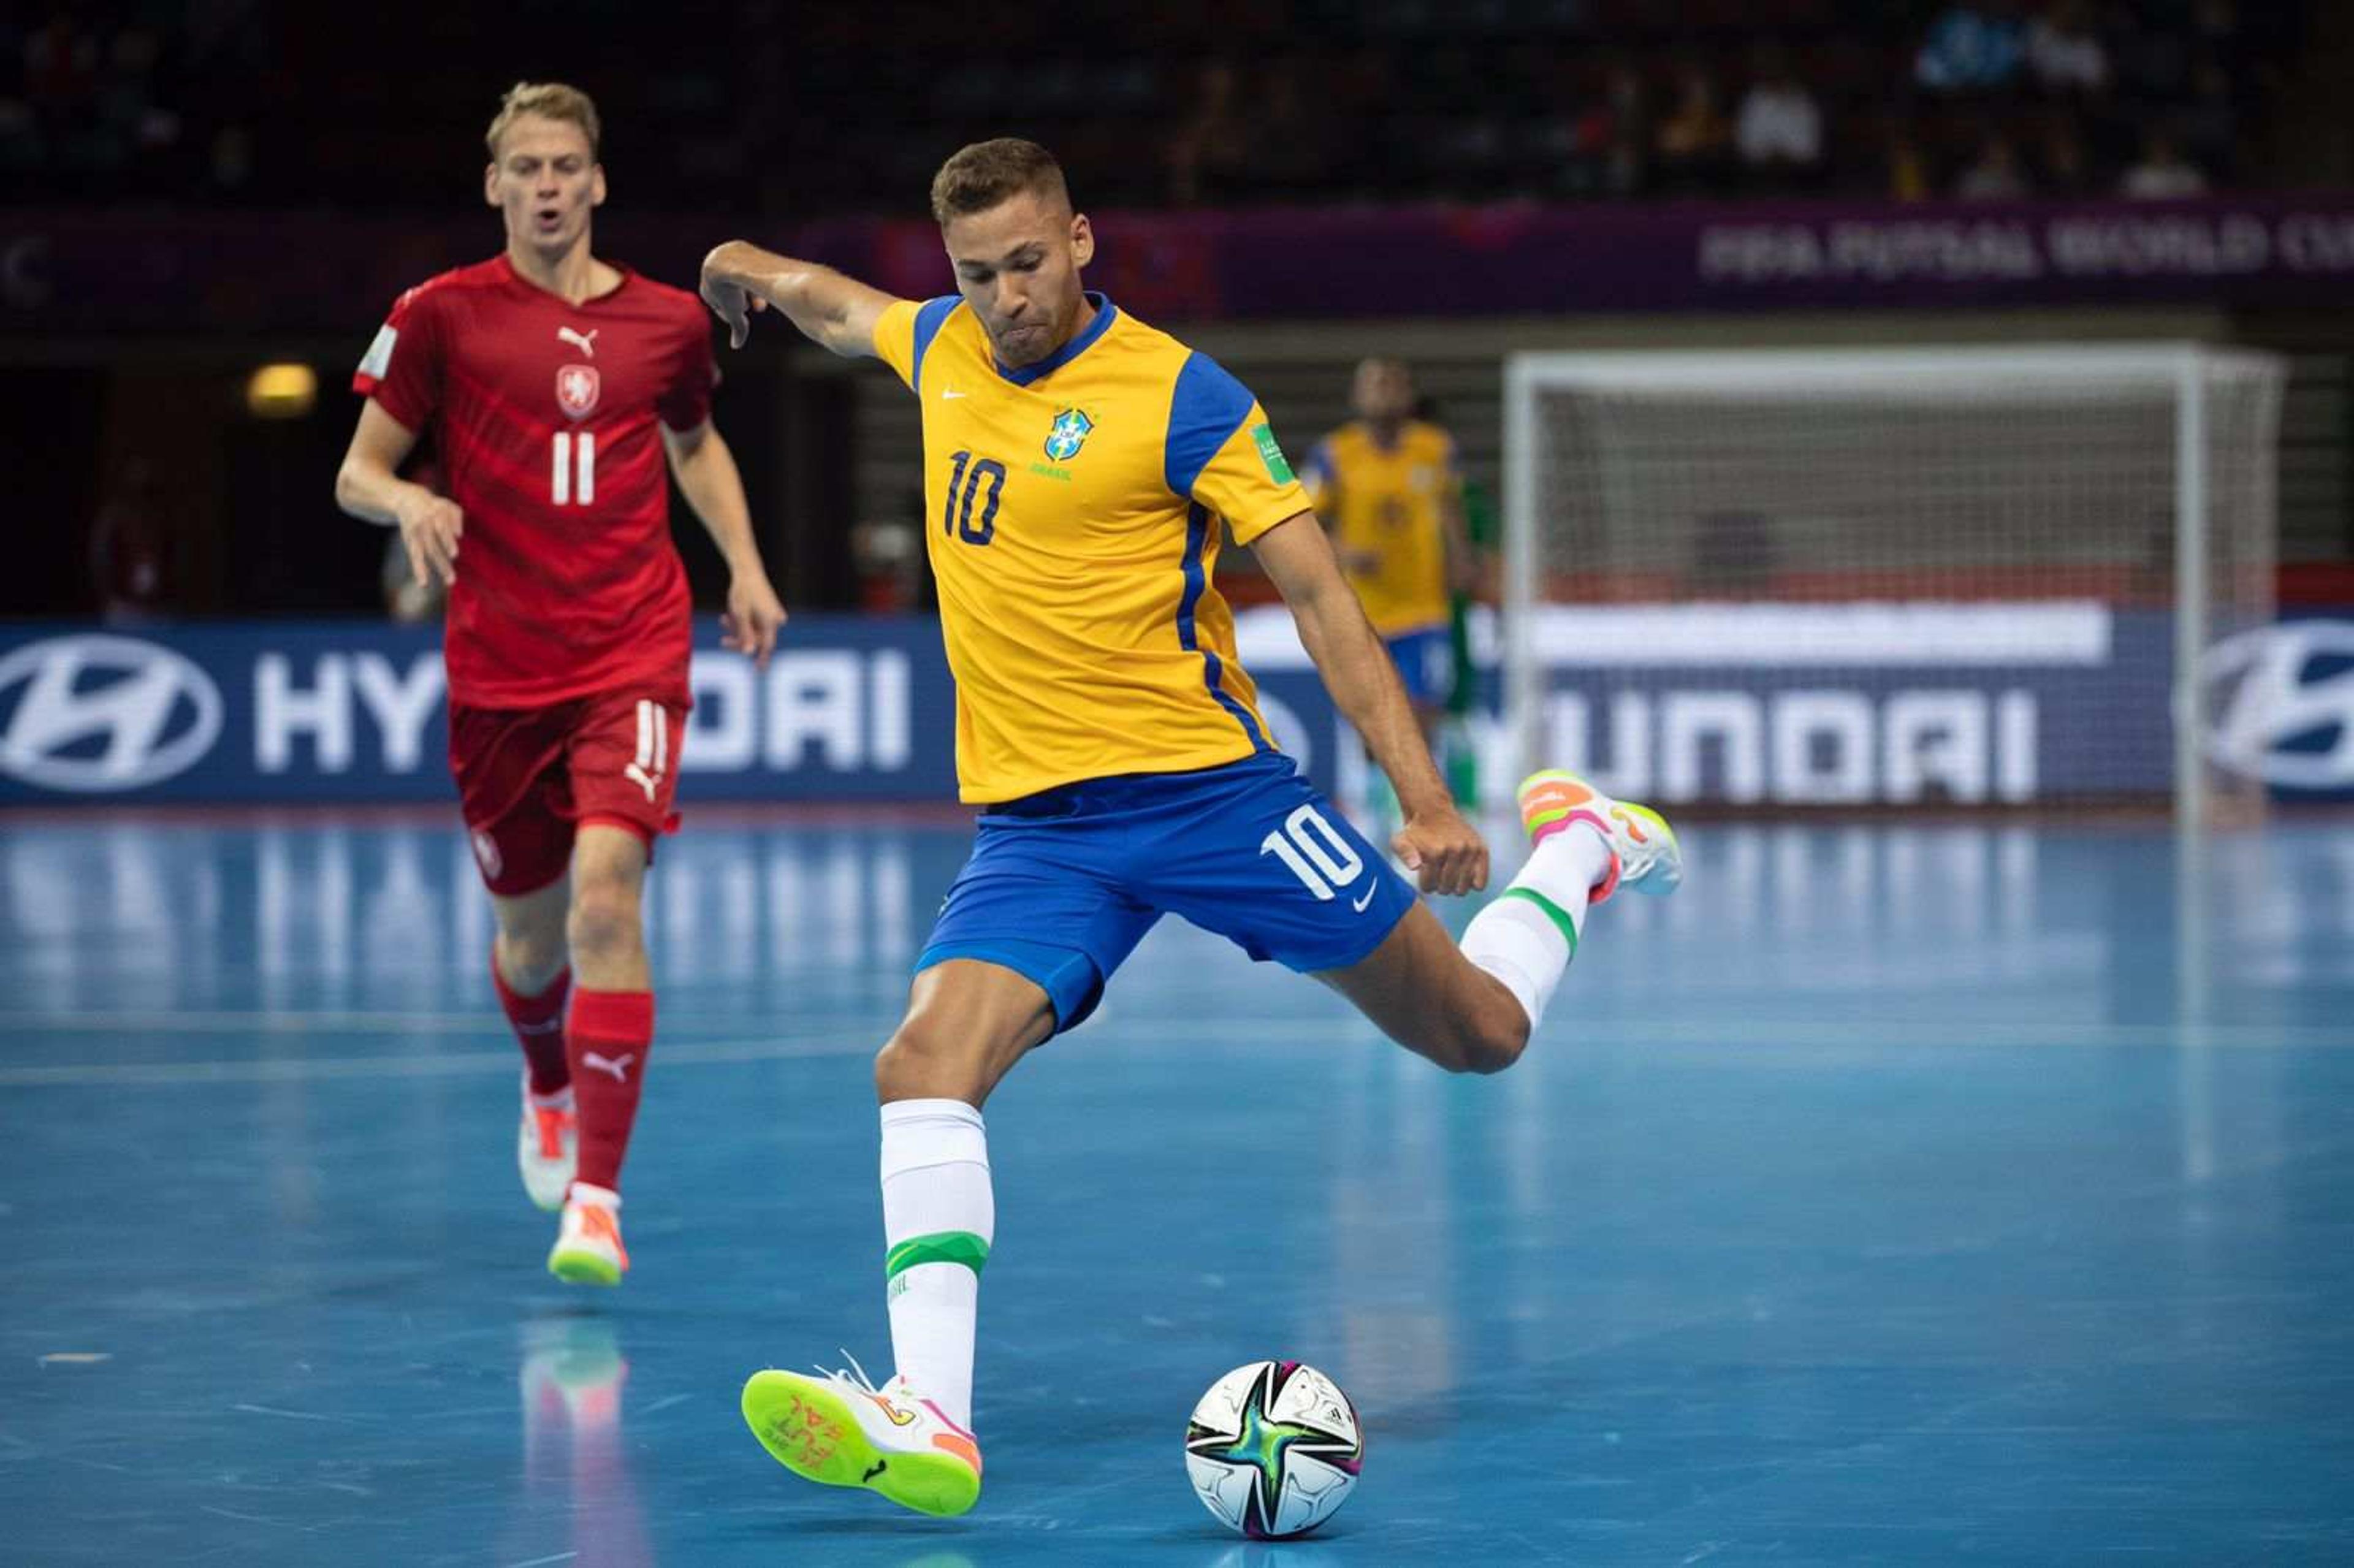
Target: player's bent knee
[
  {"x": 603, "y": 923},
  {"x": 1475, "y": 1028},
  {"x": 1491, "y": 1047},
  {"x": 530, "y": 960},
  {"x": 923, "y": 1061},
  {"x": 1484, "y": 1040}
]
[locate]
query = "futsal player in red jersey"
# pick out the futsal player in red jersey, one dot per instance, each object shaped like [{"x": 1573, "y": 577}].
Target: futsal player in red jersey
[{"x": 558, "y": 388}]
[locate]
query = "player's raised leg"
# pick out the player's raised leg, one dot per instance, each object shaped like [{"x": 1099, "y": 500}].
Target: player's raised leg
[
  {"x": 1472, "y": 1007},
  {"x": 528, "y": 970},
  {"x": 609, "y": 1034},
  {"x": 911, "y": 1440}
]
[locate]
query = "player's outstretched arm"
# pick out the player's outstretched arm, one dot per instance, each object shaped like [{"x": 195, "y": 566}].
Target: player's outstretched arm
[
  {"x": 834, "y": 312},
  {"x": 369, "y": 486},
  {"x": 1435, "y": 843}
]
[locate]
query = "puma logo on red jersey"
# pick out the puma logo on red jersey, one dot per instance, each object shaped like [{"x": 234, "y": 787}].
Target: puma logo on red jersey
[{"x": 585, "y": 343}]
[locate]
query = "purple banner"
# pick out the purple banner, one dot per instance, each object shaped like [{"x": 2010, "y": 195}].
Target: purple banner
[
  {"x": 109, "y": 274},
  {"x": 1535, "y": 261}
]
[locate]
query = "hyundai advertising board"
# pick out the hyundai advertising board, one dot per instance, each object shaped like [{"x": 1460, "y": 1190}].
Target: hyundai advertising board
[{"x": 1885, "y": 705}]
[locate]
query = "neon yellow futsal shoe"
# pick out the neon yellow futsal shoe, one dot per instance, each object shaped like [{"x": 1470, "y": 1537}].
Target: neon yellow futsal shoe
[
  {"x": 841, "y": 1431},
  {"x": 1644, "y": 854},
  {"x": 588, "y": 1248}
]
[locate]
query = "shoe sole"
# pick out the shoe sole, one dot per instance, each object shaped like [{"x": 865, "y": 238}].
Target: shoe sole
[
  {"x": 1547, "y": 775},
  {"x": 583, "y": 1268},
  {"x": 809, "y": 1428}
]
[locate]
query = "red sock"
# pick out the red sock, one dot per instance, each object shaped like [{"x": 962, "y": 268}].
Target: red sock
[
  {"x": 606, "y": 1038},
  {"x": 538, "y": 1023}
]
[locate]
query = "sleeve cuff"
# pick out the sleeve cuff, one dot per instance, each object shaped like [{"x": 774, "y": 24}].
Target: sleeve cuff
[
  {"x": 1283, "y": 510},
  {"x": 374, "y": 389}
]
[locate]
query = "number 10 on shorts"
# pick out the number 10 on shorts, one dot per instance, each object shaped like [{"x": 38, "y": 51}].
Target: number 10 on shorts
[
  {"x": 572, "y": 476},
  {"x": 1318, "y": 855}
]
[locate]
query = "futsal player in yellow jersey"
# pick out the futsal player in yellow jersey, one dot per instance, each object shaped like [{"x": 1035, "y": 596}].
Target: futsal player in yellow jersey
[
  {"x": 1388, "y": 489},
  {"x": 1079, "y": 468}
]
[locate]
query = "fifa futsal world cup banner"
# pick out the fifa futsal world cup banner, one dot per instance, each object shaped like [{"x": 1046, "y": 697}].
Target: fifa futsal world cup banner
[
  {"x": 132, "y": 270},
  {"x": 1885, "y": 705}
]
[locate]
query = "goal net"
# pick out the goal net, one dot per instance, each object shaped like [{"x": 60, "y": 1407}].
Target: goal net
[{"x": 1906, "y": 578}]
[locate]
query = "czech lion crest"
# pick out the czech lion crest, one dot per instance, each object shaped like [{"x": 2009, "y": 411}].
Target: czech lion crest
[{"x": 576, "y": 386}]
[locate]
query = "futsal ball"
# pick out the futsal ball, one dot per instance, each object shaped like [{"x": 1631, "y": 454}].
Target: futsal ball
[{"x": 1273, "y": 1449}]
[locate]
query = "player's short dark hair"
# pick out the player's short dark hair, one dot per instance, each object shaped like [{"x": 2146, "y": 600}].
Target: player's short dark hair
[
  {"x": 550, "y": 100},
  {"x": 987, "y": 173}
]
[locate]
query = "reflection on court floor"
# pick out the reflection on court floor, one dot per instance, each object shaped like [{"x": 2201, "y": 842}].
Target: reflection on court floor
[{"x": 1902, "y": 1192}]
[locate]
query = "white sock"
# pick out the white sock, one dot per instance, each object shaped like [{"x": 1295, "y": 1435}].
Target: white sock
[
  {"x": 938, "y": 1218},
  {"x": 1527, "y": 933},
  {"x": 604, "y": 1198}
]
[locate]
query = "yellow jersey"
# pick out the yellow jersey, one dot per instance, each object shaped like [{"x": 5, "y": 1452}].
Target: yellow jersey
[
  {"x": 1386, "y": 505},
  {"x": 1074, "y": 511}
]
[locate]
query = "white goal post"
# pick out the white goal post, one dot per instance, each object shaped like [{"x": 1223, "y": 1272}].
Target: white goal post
[{"x": 1896, "y": 576}]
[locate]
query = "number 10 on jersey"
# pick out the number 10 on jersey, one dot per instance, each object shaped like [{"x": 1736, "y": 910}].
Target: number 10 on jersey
[
  {"x": 572, "y": 474},
  {"x": 987, "y": 473},
  {"x": 1314, "y": 851}
]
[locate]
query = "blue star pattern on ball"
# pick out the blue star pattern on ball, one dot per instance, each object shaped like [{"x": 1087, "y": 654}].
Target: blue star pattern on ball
[{"x": 1070, "y": 433}]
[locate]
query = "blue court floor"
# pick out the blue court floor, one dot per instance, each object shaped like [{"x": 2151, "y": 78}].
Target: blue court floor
[{"x": 1897, "y": 1194}]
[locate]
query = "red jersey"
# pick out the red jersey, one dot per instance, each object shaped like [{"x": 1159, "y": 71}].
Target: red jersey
[{"x": 544, "y": 410}]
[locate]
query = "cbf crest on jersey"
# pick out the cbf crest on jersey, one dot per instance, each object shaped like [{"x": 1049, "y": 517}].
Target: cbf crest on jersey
[
  {"x": 1070, "y": 433},
  {"x": 576, "y": 386}
]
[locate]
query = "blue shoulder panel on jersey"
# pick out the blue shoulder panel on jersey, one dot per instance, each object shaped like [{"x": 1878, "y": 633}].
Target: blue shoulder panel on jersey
[
  {"x": 1209, "y": 405},
  {"x": 929, "y": 317}
]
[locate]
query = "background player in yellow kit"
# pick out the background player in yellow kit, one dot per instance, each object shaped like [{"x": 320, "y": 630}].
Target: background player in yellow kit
[
  {"x": 1078, "y": 468},
  {"x": 1387, "y": 486}
]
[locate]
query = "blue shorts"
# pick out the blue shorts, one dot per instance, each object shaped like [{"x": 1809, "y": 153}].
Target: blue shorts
[
  {"x": 1426, "y": 663},
  {"x": 1064, "y": 883}
]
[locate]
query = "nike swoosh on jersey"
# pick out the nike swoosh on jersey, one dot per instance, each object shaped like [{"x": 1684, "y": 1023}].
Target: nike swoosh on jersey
[{"x": 1359, "y": 904}]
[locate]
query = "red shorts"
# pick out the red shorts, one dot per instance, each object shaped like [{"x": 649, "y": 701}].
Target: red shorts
[{"x": 528, "y": 779}]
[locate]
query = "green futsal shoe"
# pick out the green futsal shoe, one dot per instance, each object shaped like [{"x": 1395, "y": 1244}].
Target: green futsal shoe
[{"x": 840, "y": 1430}]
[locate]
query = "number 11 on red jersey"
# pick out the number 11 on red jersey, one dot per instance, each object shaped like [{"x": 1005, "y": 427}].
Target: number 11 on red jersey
[{"x": 572, "y": 474}]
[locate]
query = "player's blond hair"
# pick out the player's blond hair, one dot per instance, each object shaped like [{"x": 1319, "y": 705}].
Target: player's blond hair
[
  {"x": 987, "y": 173},
  {"x": 550, "y": 100}
]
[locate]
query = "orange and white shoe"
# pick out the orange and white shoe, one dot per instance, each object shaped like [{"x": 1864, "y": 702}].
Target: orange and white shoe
[
  {"x": 547, "y": 1146},
  {"x": 588, "y": 1248},
  {"x": 840, "y": 1430},
  {"x": 1644, "y": 854}
]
